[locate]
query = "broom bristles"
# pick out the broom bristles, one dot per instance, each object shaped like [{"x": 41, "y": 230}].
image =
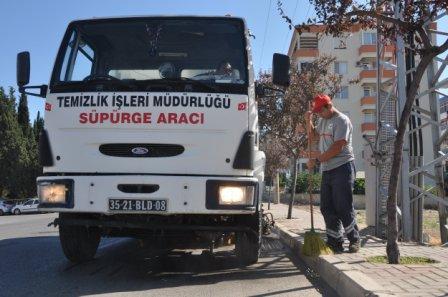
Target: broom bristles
[{"x": 314, "y": 246}]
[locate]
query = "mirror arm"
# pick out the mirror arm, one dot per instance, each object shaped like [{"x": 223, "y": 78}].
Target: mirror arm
[{"x": 42, "y": 88}]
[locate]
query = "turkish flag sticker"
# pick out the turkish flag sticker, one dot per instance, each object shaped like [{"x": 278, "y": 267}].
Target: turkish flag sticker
[
  {"x": 47, "y": 106},
  {"x": 242, "y": 106}
]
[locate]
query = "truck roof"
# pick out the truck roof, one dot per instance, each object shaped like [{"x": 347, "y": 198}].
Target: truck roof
[{"x": 157, "y": 16}]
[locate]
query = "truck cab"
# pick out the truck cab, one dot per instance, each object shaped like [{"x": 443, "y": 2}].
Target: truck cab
[{"x": 151, "y": 131}]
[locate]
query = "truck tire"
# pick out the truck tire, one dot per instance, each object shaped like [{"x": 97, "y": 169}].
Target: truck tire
[
  {"x": 248, "y": 244},
  {"x": 79, "y": 243}
]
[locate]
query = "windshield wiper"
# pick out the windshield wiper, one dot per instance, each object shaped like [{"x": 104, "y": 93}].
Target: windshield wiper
[
  {"x": 110, "y": 82},
  {"x": 199, "y": 83},
  {"x": 185, "y": 80}
]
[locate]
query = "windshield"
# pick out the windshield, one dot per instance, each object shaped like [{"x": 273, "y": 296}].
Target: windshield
[{"x": 141, "y": 53}]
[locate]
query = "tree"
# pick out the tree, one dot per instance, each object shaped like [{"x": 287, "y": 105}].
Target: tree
[
  {"x": 30, "y": 164},
  {"x": 282, "y": 115},
  {"x": 12, "y": 147},
  {"x": 18, "y": 148},
  {"x": 339, "y": 16},
  {"x": 38, "y": 126},
  {"x": 276, "y": 157},
  {"x": 36, "y": 167},
  {"x": 23, "y": 115}
]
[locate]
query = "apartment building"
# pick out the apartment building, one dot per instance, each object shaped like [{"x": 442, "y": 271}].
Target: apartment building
[{"x": 356, "y": 58}]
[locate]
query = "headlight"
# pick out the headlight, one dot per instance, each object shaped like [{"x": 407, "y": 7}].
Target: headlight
[
  {"x": 51, "y": 192},
  {"x": 230, "y": 195}
]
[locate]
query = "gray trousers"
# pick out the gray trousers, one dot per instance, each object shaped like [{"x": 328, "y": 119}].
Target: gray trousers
[{"x": 336, "y": 203}]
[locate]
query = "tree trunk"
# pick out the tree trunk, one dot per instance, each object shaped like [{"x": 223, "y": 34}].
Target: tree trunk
[
  {"x": 270, "y": 193},
  {"x": 277, "y": 188},
  {"x": 293, "y": 189},
  {"x": 393, "y": 253}
]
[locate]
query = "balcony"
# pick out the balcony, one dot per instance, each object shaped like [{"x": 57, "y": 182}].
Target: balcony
[
  {"x": 368, "y": 102},
  {"x": 368, "y": 76},
  {"x": 368, "y": 127},
  {"x": 306, "y": 52},
  {"x": 369, "y": 51}
]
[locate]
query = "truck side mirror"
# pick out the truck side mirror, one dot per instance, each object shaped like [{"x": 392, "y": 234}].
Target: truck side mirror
[
  {"x": 23, "y": 68},
  {"x": 23, "y": 76},
  {"x": 280, "y": 70}
]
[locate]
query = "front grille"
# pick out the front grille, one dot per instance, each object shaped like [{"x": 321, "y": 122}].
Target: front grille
[{"x": 141, "y": 150}]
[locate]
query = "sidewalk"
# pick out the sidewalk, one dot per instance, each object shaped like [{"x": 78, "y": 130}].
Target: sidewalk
[{"x": 351, "y": 275}]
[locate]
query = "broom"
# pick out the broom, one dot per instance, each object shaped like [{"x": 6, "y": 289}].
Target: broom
[{"x": 313, "y": 245}]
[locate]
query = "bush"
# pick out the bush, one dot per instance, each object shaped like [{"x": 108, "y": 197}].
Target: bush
[
  {"x": 283, "y": 179},
  {"x": 360, "y": 186},
  {"x": 302, "y": 183}
]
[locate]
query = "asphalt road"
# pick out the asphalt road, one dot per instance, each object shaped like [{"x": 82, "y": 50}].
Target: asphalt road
[{"x": 32, "y": 264}]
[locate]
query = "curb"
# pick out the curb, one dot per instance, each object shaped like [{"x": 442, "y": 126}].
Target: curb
[{"x": 339, "y": 276}]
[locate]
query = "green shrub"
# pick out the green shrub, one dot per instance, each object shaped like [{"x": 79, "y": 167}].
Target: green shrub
[
  {"x": 360, "y": 186},
  {"x": 302, "y": 182},
  {"x": 283, "y": 179}
]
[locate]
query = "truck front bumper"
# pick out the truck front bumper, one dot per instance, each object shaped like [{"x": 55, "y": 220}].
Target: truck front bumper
[{"x": 183, "y": 194}]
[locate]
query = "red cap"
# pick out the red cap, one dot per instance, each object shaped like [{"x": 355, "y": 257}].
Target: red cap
[{"x": 320, "y": 101}]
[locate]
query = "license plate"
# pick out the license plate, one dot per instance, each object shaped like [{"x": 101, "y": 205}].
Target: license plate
[{"x": 138, "y": 205}]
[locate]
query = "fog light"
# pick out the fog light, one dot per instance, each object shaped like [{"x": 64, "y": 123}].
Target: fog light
[
  {"x": 51, "y": 193},
  {"x": 229, "y": 195}
]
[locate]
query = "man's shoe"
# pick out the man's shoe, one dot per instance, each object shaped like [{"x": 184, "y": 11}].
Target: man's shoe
[
  {"x": 336, "y": 248},
  {"x": 354, "y": 247}
]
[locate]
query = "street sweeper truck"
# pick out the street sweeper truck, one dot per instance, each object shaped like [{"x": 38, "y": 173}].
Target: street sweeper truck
[{"x": 151, "y": 132}]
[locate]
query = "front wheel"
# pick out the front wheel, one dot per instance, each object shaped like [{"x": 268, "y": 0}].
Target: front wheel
[
  {"x": 248, "y": 244},
  {"x": 17, "y": 211},
  {"x": 79, "y": 243},
  {"x": 1, "y": 212}
]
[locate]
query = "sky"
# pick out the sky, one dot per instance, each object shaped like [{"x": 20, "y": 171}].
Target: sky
[{"x": 38, "y": 27}]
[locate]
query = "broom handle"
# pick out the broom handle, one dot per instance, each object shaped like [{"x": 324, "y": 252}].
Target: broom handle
[{"x": 309, "y": 175}]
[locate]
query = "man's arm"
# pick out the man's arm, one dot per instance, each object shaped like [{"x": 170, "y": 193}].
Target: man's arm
[{"x": 333, "y": 151}]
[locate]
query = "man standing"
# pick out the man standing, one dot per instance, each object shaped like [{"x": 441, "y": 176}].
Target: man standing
[{"x": 334, "y": 135}]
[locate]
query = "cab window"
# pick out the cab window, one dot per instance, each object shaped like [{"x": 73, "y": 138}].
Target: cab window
[{"x": 78, "y": 60}]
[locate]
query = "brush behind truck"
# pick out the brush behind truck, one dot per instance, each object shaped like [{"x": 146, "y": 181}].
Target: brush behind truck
[{"x": 151, "y": 132}]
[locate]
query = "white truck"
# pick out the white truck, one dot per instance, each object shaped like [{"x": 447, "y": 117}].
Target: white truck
[{"x": 151, "y": 132}]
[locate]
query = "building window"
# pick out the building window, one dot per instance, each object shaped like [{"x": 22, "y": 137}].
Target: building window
[
  {"x": 367, "y": 92},
  {"x": 369, "y": 118},
  {"x": 342, "y": 94},
  {"x": 368, "y": 38},
  {"x": 303, "y": 167},
  {"x": 367, "y": 65},
  {"x": 340, "y": 68},
  {"x": 308, "y": 42},
  {"x": 305, "y": 66}
]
